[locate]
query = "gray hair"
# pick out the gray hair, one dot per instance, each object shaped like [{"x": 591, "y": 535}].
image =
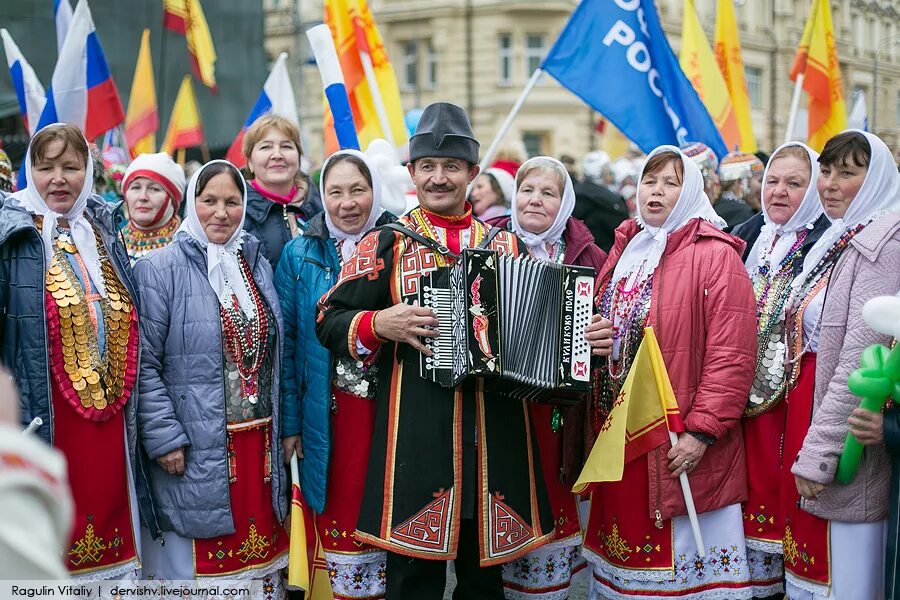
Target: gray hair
[{"x": 544, "y": 165}]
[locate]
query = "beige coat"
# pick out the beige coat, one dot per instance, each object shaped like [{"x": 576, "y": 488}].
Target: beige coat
[{"x": 869, "y": 267}]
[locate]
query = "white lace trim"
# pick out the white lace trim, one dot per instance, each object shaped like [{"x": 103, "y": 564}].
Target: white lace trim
[
  {"x": 572, "y": 541},
  {"x": 807, "y": 586},
  {"x": 363, "y": 558},
  {"x": 597, "y": 587},
  {"x": 268, "y": 570},
  {"x": 606, "y": 568},
  {"x": 764, "y": 591},
  {"x": 128, "y": 568},
  {"x": 768, "y": 547},
  {"x": 519, "y": 595}
]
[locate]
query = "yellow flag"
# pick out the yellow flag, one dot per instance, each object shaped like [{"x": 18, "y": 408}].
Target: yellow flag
[
  {"x": 185, "y": 129},
  {"x": 699, "y": 64},
  {"x": 360, "y": 47},
  {"x": 640, "y": 420},
  {"x": 141, "y": 119},
  {"x": 817, "y": 60},
  {"x": 186, "y": 17},
  {"x": 298, "y": 560},
  {"x": 731, "y": 63}
]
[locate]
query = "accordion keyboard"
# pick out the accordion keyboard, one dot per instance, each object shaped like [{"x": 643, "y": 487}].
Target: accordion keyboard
[{"x": 440, "y": 301}]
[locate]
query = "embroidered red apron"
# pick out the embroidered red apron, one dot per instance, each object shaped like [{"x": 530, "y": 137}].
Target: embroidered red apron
[{"x": 763, "y": 440}]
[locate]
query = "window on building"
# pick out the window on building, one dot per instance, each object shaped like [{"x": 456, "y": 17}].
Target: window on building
[
  {"x": 535, "y": 47},
  {"x": 410, "y": 68},
  {"x": 534, "y": 142},
  {"x": 753, "y": 75},
  {"x": 431, "y": 66},
  {"x": 504, "y": 58},
  {"x": 898, "y": 109}
]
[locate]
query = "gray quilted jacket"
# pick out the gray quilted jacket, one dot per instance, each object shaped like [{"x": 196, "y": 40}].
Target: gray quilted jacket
[
  {"x": 869, "y": 267},
  {"x": 182, "y": 387}
]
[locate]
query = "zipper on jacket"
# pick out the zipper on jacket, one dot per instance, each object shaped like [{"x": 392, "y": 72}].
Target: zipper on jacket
[{"x": 42, "y": 287}]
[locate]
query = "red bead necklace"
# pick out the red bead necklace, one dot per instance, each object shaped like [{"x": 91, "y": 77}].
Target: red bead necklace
[{"x": 246, "y": 337}]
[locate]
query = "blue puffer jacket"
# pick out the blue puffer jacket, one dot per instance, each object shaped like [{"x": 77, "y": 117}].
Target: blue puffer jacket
[
  {"x": 181, "y": 401},
  {"x": 23, "y": 322},
  {"x": 265, "y": 220},
  {"x": 309, "y": 267}
]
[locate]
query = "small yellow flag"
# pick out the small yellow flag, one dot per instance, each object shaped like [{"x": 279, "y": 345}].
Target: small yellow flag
[
  {"x": 731, "y": 63},
  {"x": 640, "y": 420},
  {"x": 185, "y": 129},
  {"x": 141, "y": 118}
]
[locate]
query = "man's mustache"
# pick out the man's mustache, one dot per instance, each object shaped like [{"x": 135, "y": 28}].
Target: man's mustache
[{"x": 440, "y": 188}]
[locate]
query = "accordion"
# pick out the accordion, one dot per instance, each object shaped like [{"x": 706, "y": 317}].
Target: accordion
[{"x": 514, "y": 319}]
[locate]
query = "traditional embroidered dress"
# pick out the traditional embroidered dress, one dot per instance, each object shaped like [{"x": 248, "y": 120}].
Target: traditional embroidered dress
[
  {"x": 547, "y": 572},
  {"x": 141, "y": 241},
  {"x": 93, "y": 348},
  {"x": 356, "y": 569},
  {"x": 814, "y": 567},
  {"x": 438, "y": 455},
  {"x": 772, "y": 263},
  {"x": 631, "y": 554}
]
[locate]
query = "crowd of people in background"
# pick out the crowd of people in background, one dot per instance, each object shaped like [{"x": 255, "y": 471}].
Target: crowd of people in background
[{"x": 182, "y": 345}]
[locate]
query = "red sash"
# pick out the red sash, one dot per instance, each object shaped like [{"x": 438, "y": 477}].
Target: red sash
[
  {"x": 102, "y": 536},
  {"x": 563, "y": 503},
  {"x": 619, "y": 529},
  {"x": 763, "y": 439},
  {"x": 806, "y": 544},
  {"x": 259, "y": 539},
  {"x": 351, "y": 438}
]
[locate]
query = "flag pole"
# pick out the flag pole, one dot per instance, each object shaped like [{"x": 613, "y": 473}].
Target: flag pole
[
  {"x": 492, "y": 149},
  {"x": 369, "y": 70},
  {"x": 795, "y": 106},
  {"x": 689, "y": 502}
]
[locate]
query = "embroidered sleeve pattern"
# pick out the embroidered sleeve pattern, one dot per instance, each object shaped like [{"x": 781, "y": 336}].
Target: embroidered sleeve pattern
[{"x": 364, "y": 262}]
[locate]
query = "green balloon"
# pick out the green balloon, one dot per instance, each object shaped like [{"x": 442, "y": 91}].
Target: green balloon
[
  {"x": 869, "y": 383},
  {"x": 891, "y": 366}
]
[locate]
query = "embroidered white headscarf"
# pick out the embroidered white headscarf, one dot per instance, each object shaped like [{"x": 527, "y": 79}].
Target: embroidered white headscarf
[
  {"x": 222, "y": 266},
  {"x": 538, "y": 242},
  {"x": 764, "y": 252},
  {"x": 82, "y": 232},
  {"x": 350, "y": 240},
  {"x": 647, "y": 247},
  {"x": 879, "y": 194}
]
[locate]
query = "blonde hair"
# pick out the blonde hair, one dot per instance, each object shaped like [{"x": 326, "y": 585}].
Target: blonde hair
[
  {"x": 543, "y": 165},
  {"x": 260, "y": 126}
]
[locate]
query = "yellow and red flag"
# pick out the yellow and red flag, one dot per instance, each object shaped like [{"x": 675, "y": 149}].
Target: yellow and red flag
[
  {"x": 359, "y": 44},
  {"x": 141, "y": 118},
  {"x": 185, "y": 129},
  {"x": 817, "y": 60},
  {"x": 731, "y": 64},
  {"x": 699, "y": 64},
  {"x": 641, "y": 418},
  {"x": 186, "y": 17},
  {"x": 298, "y": 559}
]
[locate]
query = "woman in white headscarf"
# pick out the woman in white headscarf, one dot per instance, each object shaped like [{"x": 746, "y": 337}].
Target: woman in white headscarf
[
  {"x": 790, "y": 223},
  {"x": 834, "y": 530},
  {"x": 69, "y": 330},
  {"x": 542, "y": 217},
  {"x": 209, "y": 408},
  {"x": 329, "y": 401},
  {"x": 673, "y": 269}
]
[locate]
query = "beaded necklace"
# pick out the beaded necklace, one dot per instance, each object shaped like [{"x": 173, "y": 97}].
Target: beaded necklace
[
  {"x": 425, "y": 226},
  {"x": 772, "y": 288},
  {"x": 245, "y": 337},
  {"x": 141, "y": 241},
  {"x": 799, "y": 299}
]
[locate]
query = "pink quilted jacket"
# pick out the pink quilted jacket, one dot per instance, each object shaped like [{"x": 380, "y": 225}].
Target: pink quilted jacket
[{"x": 869, "y": 267}]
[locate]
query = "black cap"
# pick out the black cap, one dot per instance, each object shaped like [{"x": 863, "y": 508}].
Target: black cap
[{"x": 444, "y": 131}]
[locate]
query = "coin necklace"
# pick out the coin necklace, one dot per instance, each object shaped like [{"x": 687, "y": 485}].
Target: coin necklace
[
  {"x": 246, "y": 336},
  {"x": 96, "y": 386}
]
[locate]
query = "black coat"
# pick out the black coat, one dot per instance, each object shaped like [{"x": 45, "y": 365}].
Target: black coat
[
  {"x": 892, "y": 552},
  {"x": 749, "y": 232},
  {"x": 735, "y": 212},
  {"x": 265, "y": 220},
  {"x": 601, "y": 209}
]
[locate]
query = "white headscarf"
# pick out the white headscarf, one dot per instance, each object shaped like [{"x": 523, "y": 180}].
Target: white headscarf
[
  {"x": 537, "y": 242},
  {"x": 763, "y": 251},
  {"x": 350, "y": 240},
  {"x": 222, "y": 266},
  {"x": 82, "y": 232},
  {"x": 879, "y": 194},
  {"x": 648, "y": 246}
]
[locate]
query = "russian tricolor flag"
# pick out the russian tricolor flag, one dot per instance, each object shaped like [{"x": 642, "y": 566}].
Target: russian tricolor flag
[
  {"x": 277, "y": 97},
  {"x": 82, "y": 91},
  {"x": 29, "y": 90},
  {"x": 333, "y": 80},
  {"x": 62, "y": 15}
]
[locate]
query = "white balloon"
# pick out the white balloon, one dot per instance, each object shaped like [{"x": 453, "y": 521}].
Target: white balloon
[{"x": 883, "y": 315}]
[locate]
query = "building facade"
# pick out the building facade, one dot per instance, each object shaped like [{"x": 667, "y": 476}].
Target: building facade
[{"x": 481, "y": 53}]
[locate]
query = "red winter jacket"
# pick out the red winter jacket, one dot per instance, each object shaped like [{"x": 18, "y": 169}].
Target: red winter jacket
[{"x": 703, "y": 312}]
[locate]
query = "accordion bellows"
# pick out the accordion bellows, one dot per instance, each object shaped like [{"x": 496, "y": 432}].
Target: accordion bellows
[{"x": 516, "y": 320}]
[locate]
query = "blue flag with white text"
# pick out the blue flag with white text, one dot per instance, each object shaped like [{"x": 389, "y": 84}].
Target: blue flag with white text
[{"x": 614, "y": 55}]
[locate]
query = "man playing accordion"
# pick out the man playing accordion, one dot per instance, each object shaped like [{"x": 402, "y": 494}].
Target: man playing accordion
[{"x": 451, "y": 476}]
